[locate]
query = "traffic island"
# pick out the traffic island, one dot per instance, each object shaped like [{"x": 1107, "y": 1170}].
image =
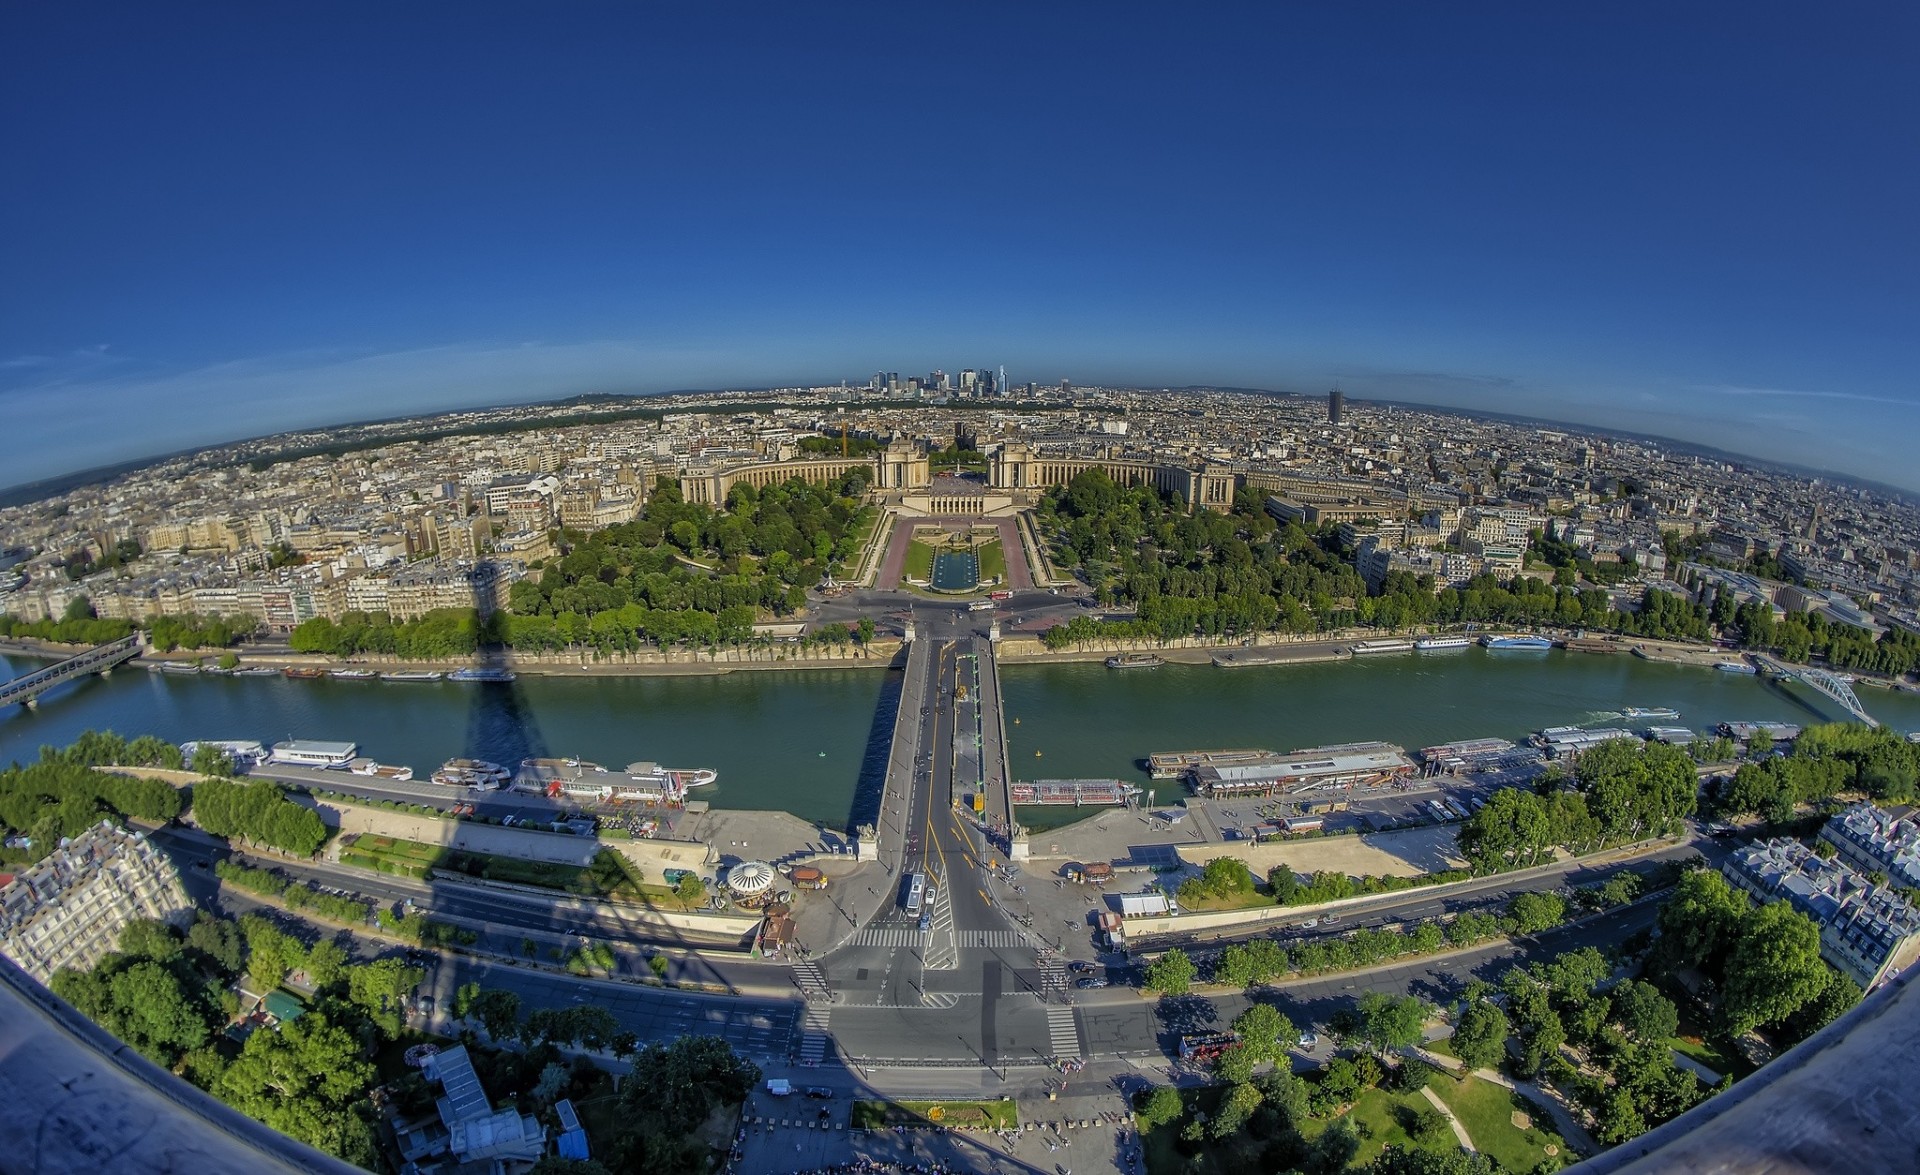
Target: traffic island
[{"x": 936, "y": 1115}]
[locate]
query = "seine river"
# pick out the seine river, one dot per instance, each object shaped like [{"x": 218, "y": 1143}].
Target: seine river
[{"x": 802, "y": 741}]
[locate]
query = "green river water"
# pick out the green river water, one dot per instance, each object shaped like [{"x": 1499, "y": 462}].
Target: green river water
[{"x": 803, "y": 741}]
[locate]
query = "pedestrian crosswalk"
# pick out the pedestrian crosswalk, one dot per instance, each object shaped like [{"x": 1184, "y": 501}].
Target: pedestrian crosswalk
[
  {"x": 993, "y": 938},
  {"x": 815, "y": 1035},
  {"x": 1063, "y": 1031},
  {"x": 888, "y": 935},
  {"x": 1053, "y": 978},
  {"x": 811, "y": 981}
]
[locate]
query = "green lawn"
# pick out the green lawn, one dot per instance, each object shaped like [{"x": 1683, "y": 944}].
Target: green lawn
[
  {"x": 386, "y": 854},
  {"x": 1443, "y": 1046},
  {"x": 919, "y": 560},
  {"x": 875, "y": 1115},
  {"x": 1376, "y": 1120},
  {"x": 1487, "y": 1110},
  {"x": 993, "y": 562},
  {"x": 574, "y": 879},
  {"x": 1708, "y": 1054}
]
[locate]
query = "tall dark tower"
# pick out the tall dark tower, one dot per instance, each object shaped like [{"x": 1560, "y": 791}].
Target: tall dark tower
[{"x": 1336, "y": 404}]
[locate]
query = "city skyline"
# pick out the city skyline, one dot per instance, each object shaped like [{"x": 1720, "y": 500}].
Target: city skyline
[{"x": 244, "y": 223}]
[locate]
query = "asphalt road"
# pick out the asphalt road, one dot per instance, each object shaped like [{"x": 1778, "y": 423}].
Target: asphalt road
[
  {"x": 1123, "y": 1023},
  {"x": 966, "y": 990}
]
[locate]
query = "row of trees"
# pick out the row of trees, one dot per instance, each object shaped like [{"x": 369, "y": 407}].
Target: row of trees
[
  {"x": 48, "y": 800},
  {"x": 1265, "y": 960},
  {"x": 79, "y": 626},
  {"x": 1800, "y": 636},
  {"x": 259, "y": 813},
  {"x": 1826, "y": 760},
  {"x": 1227, "y": 574},
  {"x": 1620, "y": 791},
  {"x": 441, "y": 634}
]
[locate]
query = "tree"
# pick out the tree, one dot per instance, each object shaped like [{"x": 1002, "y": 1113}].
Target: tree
[
  {"x": 1414, "y": 1161},
  {"x": 150, "y": 938},
  {"x": 1643, "y": 1013},
  {"x": 1235, "y": 1110},
  {"x": 1480, "y": 1035},
  {"x": 302, "y": 1080},
  {"x": 1263, "y": 1031},
  {"x": 1532, "y": 912},
  {"x": 1170, "y": 974},
  {"x": 1389, "y": 1021},
  {"x": 1158, "y": 1107},
  {"x": 219, "y": 940},
  {"x": 1772, "y": 969},
  {"x": 1234, "y": 1065},
  {"x": 326, "y": 961},
  {"x": 674, "y": 1087},
  {"x": 209, "y": 760},
  {"x": 1698, "y": 923}
]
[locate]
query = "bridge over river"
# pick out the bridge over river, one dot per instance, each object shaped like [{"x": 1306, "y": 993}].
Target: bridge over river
[
  {"x": 1832, "y": 686},
  {"x": 26, "y": 689}
]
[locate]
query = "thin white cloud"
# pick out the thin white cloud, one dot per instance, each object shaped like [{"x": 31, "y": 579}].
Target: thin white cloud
[{"x": 1801, "y": 393}]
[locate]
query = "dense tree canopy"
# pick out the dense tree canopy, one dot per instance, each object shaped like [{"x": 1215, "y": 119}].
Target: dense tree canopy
[
  {"x": 56, "y": 798},
  {"x": 258, "y": 812}
]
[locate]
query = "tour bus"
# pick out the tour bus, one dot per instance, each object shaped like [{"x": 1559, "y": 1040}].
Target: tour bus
[
  {"x": 999, "y": 595},
  {"x": 916, "y": 892}
]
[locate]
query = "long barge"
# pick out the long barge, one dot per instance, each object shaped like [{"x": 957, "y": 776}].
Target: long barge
[
  {"x": 1174, "y": 764},
  {"x": 1077, "y": 792},
  {"x": 1345, "y": 766}
]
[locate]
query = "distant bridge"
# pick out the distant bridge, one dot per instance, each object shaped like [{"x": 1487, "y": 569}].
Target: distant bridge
[
  {"x": 1829, "y": 685},
  {"x": 26, "y": 689}
]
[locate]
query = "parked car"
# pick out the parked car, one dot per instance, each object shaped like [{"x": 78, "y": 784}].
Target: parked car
[
  {"x": 1309, "y": 1040},
  {"x": 1083, "y": 967},
  {"x": 1089, "y": 982},
  {"x": 819, "y": 1092}
]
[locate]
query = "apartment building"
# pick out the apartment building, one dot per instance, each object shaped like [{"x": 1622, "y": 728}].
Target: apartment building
[
  {"x": 1872, "y": 839},
  {"x": 1869, "y": 932},
  {"x": 69, "y": 910}
]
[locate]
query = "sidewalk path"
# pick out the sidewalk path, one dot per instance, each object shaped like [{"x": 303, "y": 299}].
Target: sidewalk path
[
  {"x": 1459, "y": 1131},
  {"x": 1563, "y": 1119}
]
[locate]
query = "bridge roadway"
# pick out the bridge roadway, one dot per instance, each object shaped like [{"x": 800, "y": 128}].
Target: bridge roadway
[
  {"x": 969, "y": 989},
  {"x": 26, "y": 689}
]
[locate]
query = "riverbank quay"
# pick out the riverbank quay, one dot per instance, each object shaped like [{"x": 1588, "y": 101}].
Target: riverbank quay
[
  {"x": 707, "y": 843},
  {"x": 1051, "y": 897}
]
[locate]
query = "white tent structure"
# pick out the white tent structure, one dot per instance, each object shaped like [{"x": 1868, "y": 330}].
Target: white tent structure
[{"x": 750, "y": 878}]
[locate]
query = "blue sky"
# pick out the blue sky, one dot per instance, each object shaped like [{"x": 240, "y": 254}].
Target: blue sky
[{"x": 1695, "y": 221}]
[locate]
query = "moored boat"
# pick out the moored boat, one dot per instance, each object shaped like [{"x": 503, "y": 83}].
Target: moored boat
[
  {"x": 355, "y": 674},
  {"x": 303, "y": 671},
  {"x": 241, "y": 752},
  {"x": 1515, "y": 642},
  {"x": 300, "y": 752},
  {"x": 412, "y": 675},
  {"x": 1366, "y": 647},
  {"x": 1429, "y": 644},
  {"x": 380, "y": 770},
  {"x": 1133, "y": 661}
]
